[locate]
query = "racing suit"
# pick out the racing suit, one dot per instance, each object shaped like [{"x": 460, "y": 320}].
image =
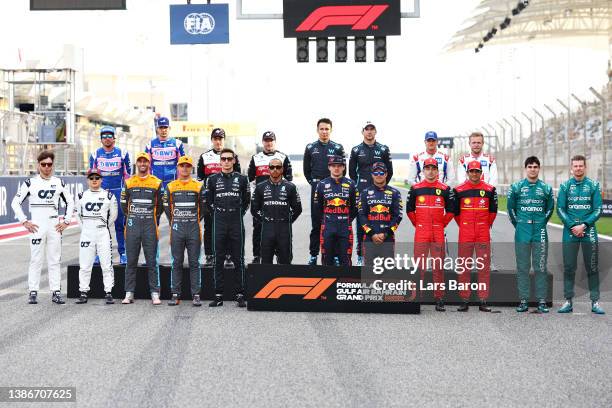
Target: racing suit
[
  {"x": 96, "y": 211},
  {"x": 209, "y": 163},
  {"x": 430, "y": 207},
  {"x": 184, "y": 207},
  {"x": 530, "y": 206},
  {"x": 336, "y": 203},
  {"x": 579, "y": 202},
  {"x": 475, "y": 212},
  {"x": 363, "y": 156},
  {"x": 44, "y": 203},
  {"x": 259, "y": 172},
  {"x": 316, "y": 158},
  {"x": 415, "y": 167},
  {"x": 164, "y": 158},
  {"x": 115, "y": 167},
  {"x": 276, "y": 206},
  {"x": 141, "y": 199},
  {"x": 380, "y": 211},
  {"x": 227, "y": 198},
  {"x": 489, "y": 168}
]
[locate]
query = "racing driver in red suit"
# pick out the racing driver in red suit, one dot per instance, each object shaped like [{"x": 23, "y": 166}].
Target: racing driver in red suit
[{"x": 475, "y": 211}]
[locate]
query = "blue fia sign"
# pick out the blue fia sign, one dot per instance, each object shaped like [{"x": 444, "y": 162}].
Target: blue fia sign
[{"x": 199, "y": 24}]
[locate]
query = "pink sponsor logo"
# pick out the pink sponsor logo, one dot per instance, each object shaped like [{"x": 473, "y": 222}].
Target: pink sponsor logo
[{"x": 112, "y": 164}]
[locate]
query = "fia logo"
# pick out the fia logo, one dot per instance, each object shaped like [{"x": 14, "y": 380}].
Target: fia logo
[
  {"x": 45, "y": 194},
  {"x": 199, "y": 23}
]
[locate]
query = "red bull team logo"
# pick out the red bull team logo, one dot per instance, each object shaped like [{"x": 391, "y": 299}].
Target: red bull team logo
[
  {"x": 336, "y": 206},
  {"x": 380, "y": 209}
]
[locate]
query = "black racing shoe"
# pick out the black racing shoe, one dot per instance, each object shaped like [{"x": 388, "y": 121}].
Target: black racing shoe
[
  {"x": 82, "y": 299},
  {"x": 196, "y": 301},
  {"x": 209, "y": 261},
  {"x": 57, "y": 298},
  {"x": 109, "y": 298},
  {"x": 440, "y": 306},
  {"x": 256, "y": 260},
  {"x": 218, "y": 301},
  {"x": 240, "y": 300},
  {"x": 483, "y": 307},
  {"x": 175, "y": 301},
  {"x": 32, "y": 299},
  {"x": 465, "y": 306}
]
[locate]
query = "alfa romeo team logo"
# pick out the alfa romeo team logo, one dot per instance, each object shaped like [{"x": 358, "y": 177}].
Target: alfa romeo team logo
[{"x": 199, "y": 23}]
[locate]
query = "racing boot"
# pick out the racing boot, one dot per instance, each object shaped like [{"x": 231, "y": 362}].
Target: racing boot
[
  {"x": 256, "y": 260},
  {"x": 57, "y": 298},
  {"x": 32, "y": 299},
  {"x": 82, "y": 299},
  {"x": 109, "y": 299},
  {"x": 209, "y": 261},
  {"x": 122, "y": 259},
  {"x": 595, "y": 308},
  {"x": 440, "y": 306},
  {"x": 312, "y": 260},
  {"x": 218, "y": 301},
  {"x": 567, "y": 307},
  {"x": 196, "y": 301},
  {"x": 465, "y": 306},
  {"x": 155, "y": 298},
  {"x": 228, "y": 264},
  {"x": 129, "y": 298},
  {"x": 483, "y": 306},
  {"x": 523, "y": 306},
  {"x": 359, "y": 260},
  {"x": 542, "y": 308},
  {"x": 175, "y": 301},
  {"x": 240, "y": 300}
]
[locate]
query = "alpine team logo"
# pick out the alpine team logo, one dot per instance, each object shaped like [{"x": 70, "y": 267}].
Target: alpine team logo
[{"x": 199, "y": 23}]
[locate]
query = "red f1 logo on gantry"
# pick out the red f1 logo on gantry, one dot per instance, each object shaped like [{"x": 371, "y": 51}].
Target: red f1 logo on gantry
[{"x": 358, "y": 17}]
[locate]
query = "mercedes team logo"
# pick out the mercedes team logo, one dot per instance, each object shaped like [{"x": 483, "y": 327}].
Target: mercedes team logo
[{"x": 199, "y": 23}]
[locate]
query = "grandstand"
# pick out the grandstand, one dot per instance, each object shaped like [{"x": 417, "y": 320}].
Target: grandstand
[{"x": 547, "y": 131}]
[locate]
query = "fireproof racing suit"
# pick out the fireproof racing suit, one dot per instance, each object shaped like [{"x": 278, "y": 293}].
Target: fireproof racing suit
[
  {"x": 115, "y": 167},
  {"x": 579, "y": 202},
  {"x": 44, "y": 203},
  {"x": 415, "y": 167},
  {"x": 336, "y": 203},
  {"x": 141, "y": 199},
  {"x": 430, "y": 207},
  {"x": 209, "y": 163},
  {"x": 276, "y": 206},
  {"x": 184, "y": 207},
  {"x": 96, "y": 211},
  {"x": 316, "y": 159},
  {"x": 530, "y": 206},
  {"x": 363, "y": 156},
  {"x": 227, "y": 198},
  {"x": 489, "y": 168},
  {"x": 164, "y": 158},
  {"x": 259, "y": 172},
  {"x": 475, "y": 212},
  {"x": 380, "y": 212}
]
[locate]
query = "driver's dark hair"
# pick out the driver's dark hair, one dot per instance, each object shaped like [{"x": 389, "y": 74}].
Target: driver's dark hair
[{"x": 532, "y": 160}]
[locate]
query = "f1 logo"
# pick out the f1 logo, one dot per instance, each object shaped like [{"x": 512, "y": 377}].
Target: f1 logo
[
  {"x": 311, "y": 288},
  {"x": 44, "y": 194},
  {"x": 358, "y": 17},
  {"x": 93, "y": 206}
]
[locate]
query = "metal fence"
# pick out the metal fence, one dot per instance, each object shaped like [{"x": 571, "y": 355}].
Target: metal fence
[{"x": 554, "y": 136}]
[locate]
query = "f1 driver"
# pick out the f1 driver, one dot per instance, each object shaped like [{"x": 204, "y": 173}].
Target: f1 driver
[
  {"x": 335, "y": 201},
  {"x": 96, "y": 211},
  {"x": 475, "y": 212},
  {"x": 141, "y": 200}
]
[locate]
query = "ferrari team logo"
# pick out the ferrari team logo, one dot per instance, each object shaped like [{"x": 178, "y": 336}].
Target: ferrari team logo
[
  {"x": 482, "y": 193},
  {"x": 438, "y": 191}
]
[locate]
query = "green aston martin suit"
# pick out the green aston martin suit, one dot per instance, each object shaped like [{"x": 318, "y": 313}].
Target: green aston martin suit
[
  {"x": 530, "y": 206},
  {"x": 580, "y": 202}
]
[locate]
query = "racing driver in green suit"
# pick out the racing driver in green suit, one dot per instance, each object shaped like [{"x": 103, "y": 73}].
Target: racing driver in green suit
[
  {"x": 579, "y": 206},
  {"x": 530, "y": 206}
]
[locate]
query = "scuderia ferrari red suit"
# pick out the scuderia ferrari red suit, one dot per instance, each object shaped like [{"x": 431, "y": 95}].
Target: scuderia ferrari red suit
[
  {"x": 475, "y": 212},
  {"x": 430, "y": 207}
]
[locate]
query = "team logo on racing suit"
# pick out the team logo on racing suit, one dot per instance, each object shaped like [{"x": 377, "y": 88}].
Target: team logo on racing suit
[
  {"x": 438, "y": 191},
  {"x": 44, "y": 194},
  {"x": 482, "y": 193},
  {"x": 421, "y": 199}
]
